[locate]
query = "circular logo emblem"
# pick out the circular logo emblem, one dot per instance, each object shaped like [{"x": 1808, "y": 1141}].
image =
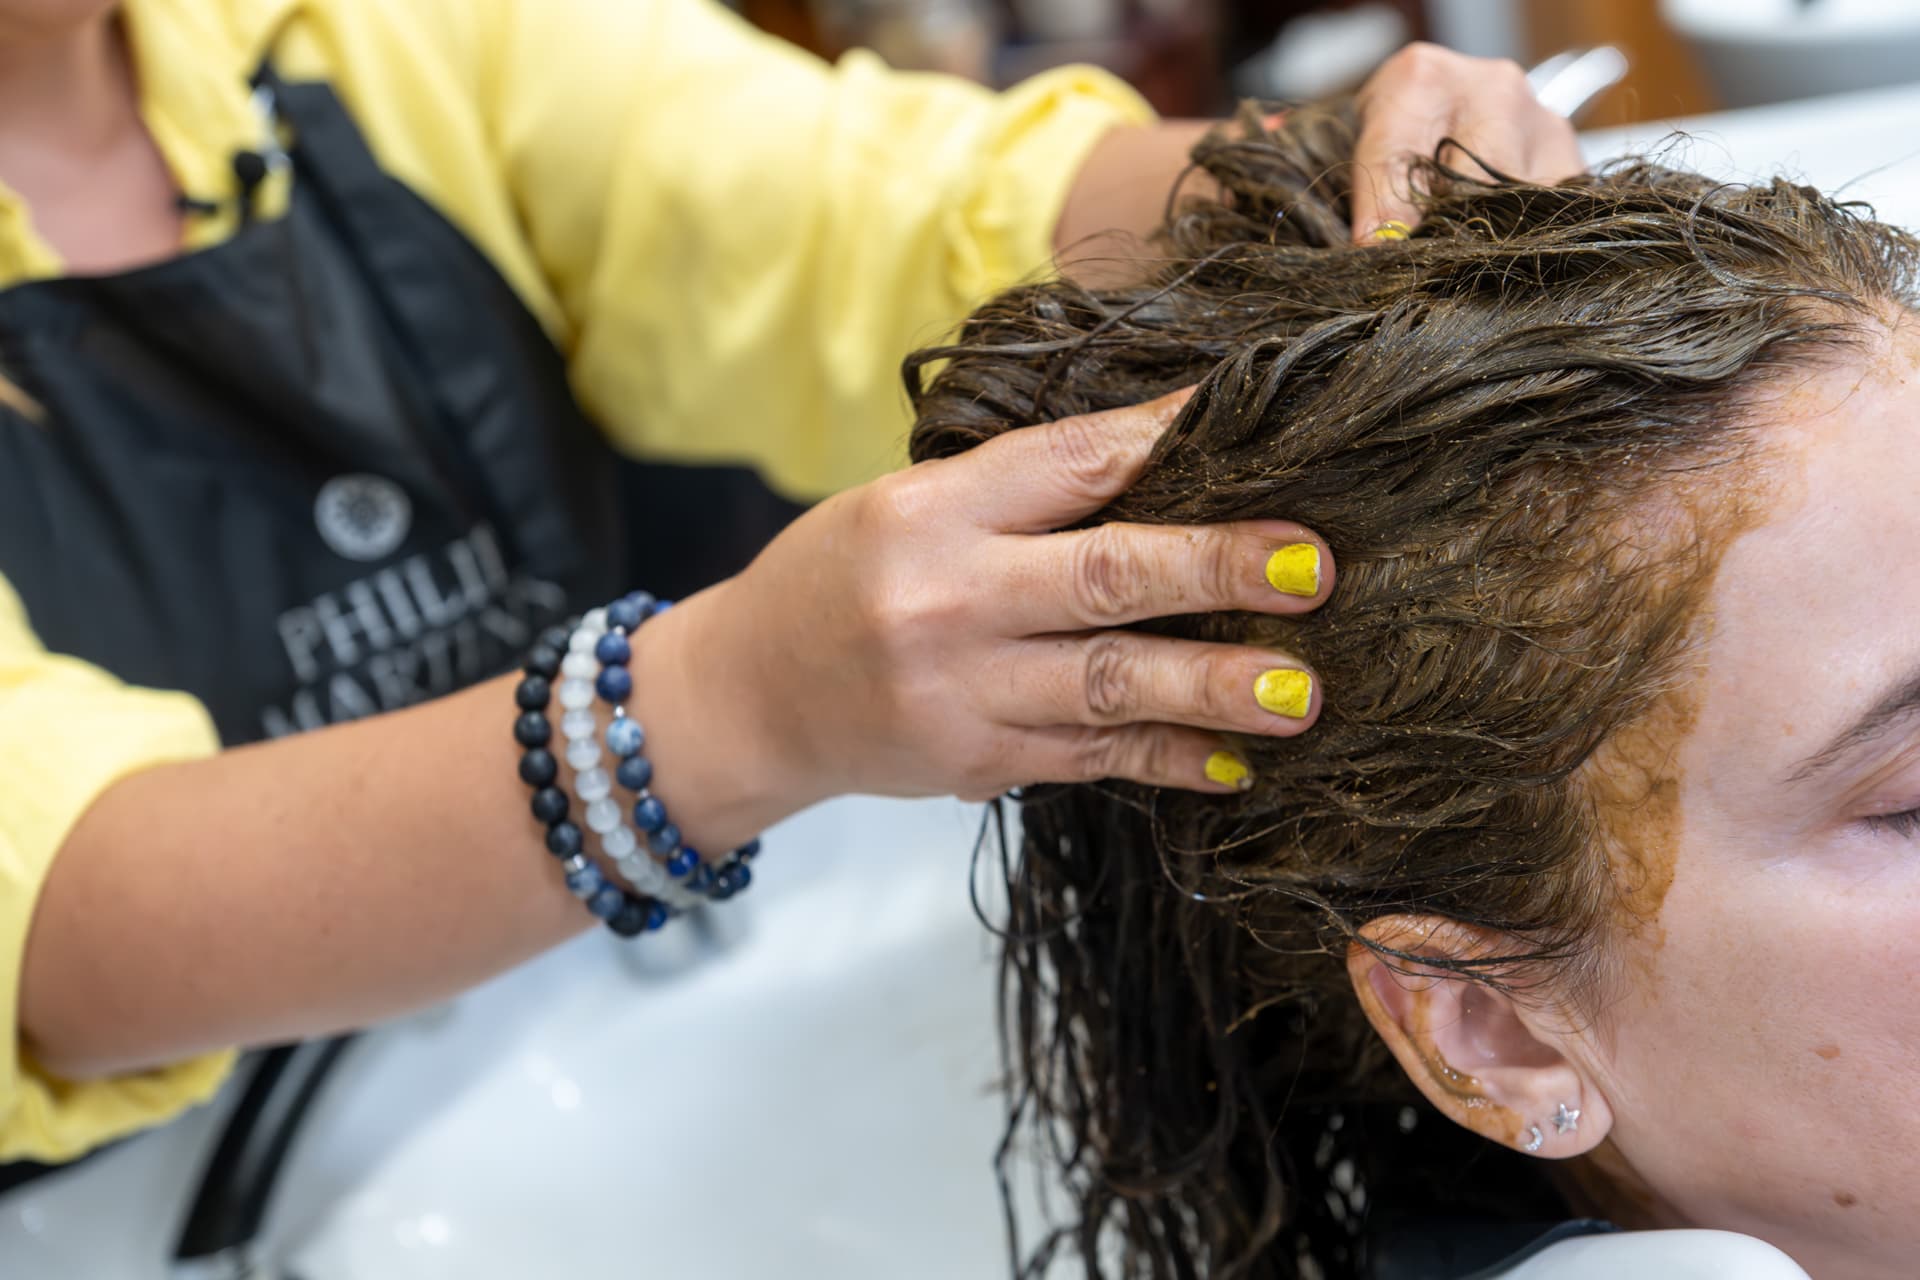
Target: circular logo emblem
[{"x": 363, "y": 517}]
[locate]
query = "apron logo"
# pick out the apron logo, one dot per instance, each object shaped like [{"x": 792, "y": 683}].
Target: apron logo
[
  {"x": 409, "y": 631},
  {"x": 363, "y": 517}
]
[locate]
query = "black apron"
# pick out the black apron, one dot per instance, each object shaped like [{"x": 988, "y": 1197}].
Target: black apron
[
  {"x": 326, "y": 468},
  {"x": 329, "y": 467}
]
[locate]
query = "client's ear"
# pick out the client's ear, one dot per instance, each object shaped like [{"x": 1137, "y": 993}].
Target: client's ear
[{"x": 1492, "y": 1063}]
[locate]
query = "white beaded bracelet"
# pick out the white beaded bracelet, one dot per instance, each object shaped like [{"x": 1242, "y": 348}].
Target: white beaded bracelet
[{"x": 593, "y": 785}]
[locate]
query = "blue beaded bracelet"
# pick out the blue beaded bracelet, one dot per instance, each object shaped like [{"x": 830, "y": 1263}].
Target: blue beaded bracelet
[{"x": 687, "y": 873}]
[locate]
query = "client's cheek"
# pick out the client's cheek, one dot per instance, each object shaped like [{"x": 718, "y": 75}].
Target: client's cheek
[{"x": 1775, "y": 1010}]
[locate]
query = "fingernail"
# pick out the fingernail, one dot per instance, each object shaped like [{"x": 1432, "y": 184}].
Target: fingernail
[
  {"x": 1392, "y": 229},
  {"x": 1284, "y": 692},
  {"x": 1295, "y": 569},
  {"x": 1229, "y": 770}
]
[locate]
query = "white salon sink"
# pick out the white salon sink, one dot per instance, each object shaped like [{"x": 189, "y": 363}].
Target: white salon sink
[
  {"x": 1760, "y": 51},
  {"x": 1864, "y": 145},
  {"x": 812, "y": 1097}
]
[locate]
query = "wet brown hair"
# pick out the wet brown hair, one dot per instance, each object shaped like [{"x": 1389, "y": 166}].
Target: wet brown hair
[{"x": 1519, "y": 431}]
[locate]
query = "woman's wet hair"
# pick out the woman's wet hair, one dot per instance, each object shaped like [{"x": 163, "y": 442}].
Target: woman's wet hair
[{"x": 1525, "y": 432}]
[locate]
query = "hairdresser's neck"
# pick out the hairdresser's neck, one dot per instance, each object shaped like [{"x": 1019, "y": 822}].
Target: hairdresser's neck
[
  {"x": 74, "y": 147},
  {"x": 64, "y": 89}
]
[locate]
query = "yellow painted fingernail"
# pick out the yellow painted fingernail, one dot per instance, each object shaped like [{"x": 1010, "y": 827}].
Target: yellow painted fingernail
[
  {"x": 1295, "y": 569},
  {"x": 1392, "y": 229},
  {"x": 1229, "y": 770},
  {"x": 1284, "y": 692}
]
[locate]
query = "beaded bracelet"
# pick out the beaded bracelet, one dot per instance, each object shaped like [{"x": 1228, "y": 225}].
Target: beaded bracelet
[
  {"x": 687, "y": 874},
  {"x": 627, "y": 915},
  {"x": 605, "y": 818},
  {"x": 590, "y": 658}
]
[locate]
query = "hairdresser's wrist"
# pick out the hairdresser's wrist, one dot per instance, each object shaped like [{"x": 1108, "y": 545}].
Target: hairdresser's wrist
[{"x": 724, "y": 764}]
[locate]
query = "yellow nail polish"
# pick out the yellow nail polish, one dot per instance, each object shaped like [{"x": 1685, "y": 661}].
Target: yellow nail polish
[
  {"x": 1295, "y": 569},
  {"x": 1284, "y": 692},
  {"x": 1229, "y": 770},
  {"x": 1392, "y": 229}
]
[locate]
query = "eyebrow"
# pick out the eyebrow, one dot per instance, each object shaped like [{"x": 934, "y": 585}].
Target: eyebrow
[{"x": 1899, "y": 702}]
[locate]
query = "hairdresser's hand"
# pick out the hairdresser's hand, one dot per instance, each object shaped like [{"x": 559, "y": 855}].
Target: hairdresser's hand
[
  {"x": 928, "y": 633},
  {"x": 1424, "y": 94}
]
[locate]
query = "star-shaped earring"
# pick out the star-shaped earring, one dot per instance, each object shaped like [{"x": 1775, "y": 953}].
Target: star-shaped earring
[{"x": 1565, "y": 1121}]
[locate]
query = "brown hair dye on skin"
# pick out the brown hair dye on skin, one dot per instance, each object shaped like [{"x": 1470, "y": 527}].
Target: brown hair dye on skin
[
  {"x": 1634, "y": 777},
  {"x": 1637, "y": 786},
  {"x": 1634, "y": 780},
  {"x": 1483, "y": 422}
]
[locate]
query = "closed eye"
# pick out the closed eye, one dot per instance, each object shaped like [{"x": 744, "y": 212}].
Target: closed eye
[{"x": 1905, "y": 823}]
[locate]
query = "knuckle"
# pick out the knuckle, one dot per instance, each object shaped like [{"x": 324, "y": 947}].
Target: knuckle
[
  {"x": 1424, "y": 60},
  {"x": 1510, "y": 78},
  {"x": 1080, "y": 454},
  {"x": 1222, "y": 570},
  {"x": 904, "y": 499},
  {"x": 1144, "y": 755},
  {"x": 907, "y": 621},
  {"x": 1153, "y": 757},
  {"x": 1217, "y": 692},
  {"x": 891, "y": 612},
  {"x": 893, "y": 597},
  {"x": 1107, "y": 571},
  {"x": 1100, "y": 754},
  {"x": 1109, "y": 675}
]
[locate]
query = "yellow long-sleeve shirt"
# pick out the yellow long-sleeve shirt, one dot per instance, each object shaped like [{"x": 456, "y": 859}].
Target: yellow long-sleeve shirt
[{"x": 732, "y": 243}]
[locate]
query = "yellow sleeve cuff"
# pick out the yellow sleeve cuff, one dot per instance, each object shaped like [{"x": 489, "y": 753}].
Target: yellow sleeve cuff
[
  {"x": 1046, "y": 126},
  {"x": 55, "y": 1120}
]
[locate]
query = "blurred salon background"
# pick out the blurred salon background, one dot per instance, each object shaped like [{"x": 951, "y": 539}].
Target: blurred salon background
[{"x": 1196, "y": 57}]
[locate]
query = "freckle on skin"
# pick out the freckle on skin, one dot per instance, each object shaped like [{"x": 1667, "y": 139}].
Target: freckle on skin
[
  {"x": 1845, "y": 1199},
  {"x": 1828, "y": 1051}
]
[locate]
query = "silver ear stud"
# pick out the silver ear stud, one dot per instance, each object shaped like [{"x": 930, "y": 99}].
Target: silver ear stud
[
  {"x": 1533, "y": 1144},
  {"x": 1565, "y": 1121}
]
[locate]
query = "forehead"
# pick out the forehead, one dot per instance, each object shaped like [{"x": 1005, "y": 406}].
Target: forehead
[{"x": 1817, "y": 602}]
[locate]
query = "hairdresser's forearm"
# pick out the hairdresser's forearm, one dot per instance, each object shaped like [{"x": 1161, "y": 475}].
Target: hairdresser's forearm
[
  {"x": 316, "y": 883},
  {"x": 1120, "y": 198}
]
